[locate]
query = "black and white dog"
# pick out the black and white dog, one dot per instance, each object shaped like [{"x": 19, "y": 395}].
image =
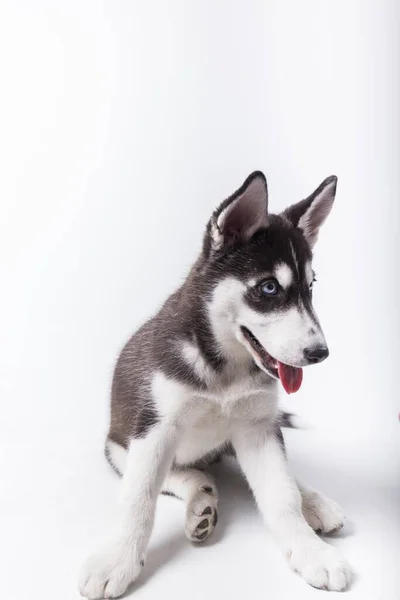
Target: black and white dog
[{"x": 201, "y": 378}]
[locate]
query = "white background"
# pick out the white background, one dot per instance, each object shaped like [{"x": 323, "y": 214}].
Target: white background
[{"x": 123, "y": 124}]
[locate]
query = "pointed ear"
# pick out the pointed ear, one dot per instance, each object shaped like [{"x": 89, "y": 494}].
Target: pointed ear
[
  {"x": 242, "y": 214},
  {"x": 309, "y": 214}
]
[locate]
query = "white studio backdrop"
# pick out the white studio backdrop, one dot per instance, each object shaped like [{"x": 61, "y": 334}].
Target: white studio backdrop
[{"x": 122, "y": 125}]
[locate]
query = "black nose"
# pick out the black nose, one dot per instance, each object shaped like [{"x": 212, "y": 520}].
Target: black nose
[{"x": 316, "y": 354}]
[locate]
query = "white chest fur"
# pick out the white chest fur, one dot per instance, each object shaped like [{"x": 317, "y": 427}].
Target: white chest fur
[{"x": 212, "y": 416}]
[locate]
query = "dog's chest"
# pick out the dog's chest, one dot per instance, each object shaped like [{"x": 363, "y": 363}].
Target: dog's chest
[{"x": 216, "y": 414}]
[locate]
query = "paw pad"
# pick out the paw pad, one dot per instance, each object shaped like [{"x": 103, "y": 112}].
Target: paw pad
[{"x": 205, "y": 526}]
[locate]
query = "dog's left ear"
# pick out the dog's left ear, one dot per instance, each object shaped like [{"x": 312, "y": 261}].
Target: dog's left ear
[
  {"x": 309, "y": 214},
  {"x": 242, "y": 214}
]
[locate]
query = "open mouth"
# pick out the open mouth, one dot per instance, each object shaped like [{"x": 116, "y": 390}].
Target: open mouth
[{"x": 290, "y": 377}]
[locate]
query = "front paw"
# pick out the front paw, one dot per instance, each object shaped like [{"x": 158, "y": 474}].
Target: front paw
[
  {"x": 321, "y": 565},
  {"x": 108, "y": 575}
]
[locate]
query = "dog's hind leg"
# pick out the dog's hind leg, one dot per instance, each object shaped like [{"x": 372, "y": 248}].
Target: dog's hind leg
[
  {"x": 199, "y": 492},
  {"x": 321, "y": 513}
]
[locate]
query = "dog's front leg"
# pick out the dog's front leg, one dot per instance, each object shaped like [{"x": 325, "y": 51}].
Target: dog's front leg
[
  {"x": 261, "y": 456},
  {"x": 107, "y": 575}
]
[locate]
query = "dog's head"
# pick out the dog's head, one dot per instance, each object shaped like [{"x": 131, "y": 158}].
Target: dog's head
[{"x": 259, "y": 267}]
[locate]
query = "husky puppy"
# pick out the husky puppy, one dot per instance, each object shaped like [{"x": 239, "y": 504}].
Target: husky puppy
[{"x": 200, "y": 379}]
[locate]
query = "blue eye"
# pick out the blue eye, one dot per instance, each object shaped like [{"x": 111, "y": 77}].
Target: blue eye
[{"x": 269, "y": 288}]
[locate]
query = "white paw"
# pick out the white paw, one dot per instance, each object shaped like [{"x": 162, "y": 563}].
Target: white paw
[
  {"x": 321, "y": 565},
  {"x": 108, "y": 575},
  {"x": 202, "y": 514},
  {"x": 321, "y": 513}
]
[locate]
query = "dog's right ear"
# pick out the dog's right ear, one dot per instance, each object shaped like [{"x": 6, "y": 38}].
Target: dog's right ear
[{"x": 241, "y": 215}]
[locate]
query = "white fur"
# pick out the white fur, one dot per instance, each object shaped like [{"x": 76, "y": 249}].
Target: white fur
[
  {"x": 169, "y": 396},
  {"x": 210, "y": 417},
  {"x": 196, "y": 361},
  {"x": 279, "y": 501},
  {"x": 284, "y": 275},
  {"x": 187, "y": 482}
]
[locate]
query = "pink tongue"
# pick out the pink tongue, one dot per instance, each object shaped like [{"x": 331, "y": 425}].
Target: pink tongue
[{"x": 291, "y": 377}]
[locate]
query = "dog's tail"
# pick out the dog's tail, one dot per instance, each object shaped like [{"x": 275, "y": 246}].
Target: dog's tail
[{"x": 288, "y": 420}]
